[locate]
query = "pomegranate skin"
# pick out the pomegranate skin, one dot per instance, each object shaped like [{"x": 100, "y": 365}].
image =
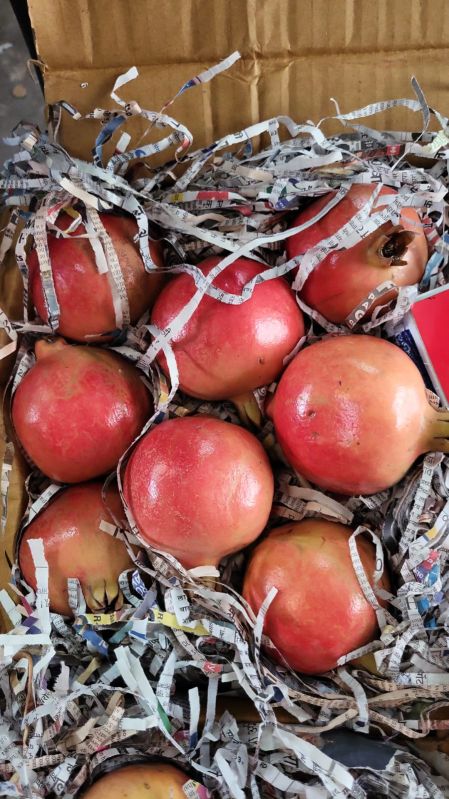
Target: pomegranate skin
[
  {"x": 346, "y": 277},
  {"x": 84, "y": 295},
  {"x": 140, "y": 781},
  {"x": 78, "y": 409},
  {"x": 226, "y": 350},
  {"x": 199, "y": 488},
  {"x": 75, "y": 546},
  {"x": 319, "y": 613},
  {"x": 351, "y": 414}
]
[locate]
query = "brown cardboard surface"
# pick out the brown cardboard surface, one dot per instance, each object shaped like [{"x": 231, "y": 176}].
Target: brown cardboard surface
[
  {"x": 111, "y": 33},
  {"x": 16, "y": 509},
  {"x": 11, "y": 303},
  {"x": 296, "y": 54}
]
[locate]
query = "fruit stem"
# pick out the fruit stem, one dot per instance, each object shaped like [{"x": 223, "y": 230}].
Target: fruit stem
[
  {"x": 438, "y": 440},
  {"x": 248, "y": 409}
]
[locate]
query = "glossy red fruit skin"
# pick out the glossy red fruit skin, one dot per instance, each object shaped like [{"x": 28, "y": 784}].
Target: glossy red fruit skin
[
  {"x": 351, "y": 414},
  {"x": 77, "y": 410},
  {"x": 346, "y": 277},
  {"x": 226, "y": 350},
  {"x": 199, "y": 488},
  {"x": 320, "y": 612},
  {"x": 75, "y": 546},
  {"x": 84, "y": 295}
]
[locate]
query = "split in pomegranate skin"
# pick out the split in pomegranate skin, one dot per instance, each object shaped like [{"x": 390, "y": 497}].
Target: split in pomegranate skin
[
  {"x": 78, "y": 409},
  {"x": 75, "y": 546},
  {"x": 199, "y": 488},
  {"x": 320, "y": 612},
  {"x": 140, "y": 781},
  {"x": 345, "y": 277},
  {"x": 351, "y": 414},
  {"x": 84, "y": 295},
  {"x": 225, "y": 351}
]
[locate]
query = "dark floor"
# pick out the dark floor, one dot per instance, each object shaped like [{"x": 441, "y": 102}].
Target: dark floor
[{"x": 20, "y": 96}]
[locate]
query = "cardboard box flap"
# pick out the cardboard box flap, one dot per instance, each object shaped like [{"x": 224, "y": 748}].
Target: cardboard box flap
[
  {"x": 245, "y": 95},
  {"x": 76, "y": 34},
  {"x": 296, "y": 55}
]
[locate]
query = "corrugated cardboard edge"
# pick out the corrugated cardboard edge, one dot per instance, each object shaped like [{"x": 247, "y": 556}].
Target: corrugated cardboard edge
[{"x": 11, "y": 303}]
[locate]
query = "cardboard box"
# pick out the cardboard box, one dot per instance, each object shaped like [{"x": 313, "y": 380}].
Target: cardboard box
[{"x": 296, "y": 55}]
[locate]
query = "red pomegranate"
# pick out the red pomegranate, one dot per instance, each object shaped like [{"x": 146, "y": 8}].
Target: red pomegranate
[
  {"x": 320, "y": 612},
  {"x": 351, "y": 414},
  {"x": 78, "y": 409},
  {"x": 344, "y": 279},
  {"x": 75, "y": 546},
  {"x": 225, "y": 351},
  {"x": 84, "y": 295},
  {"x": 143, "y": 781},
  {"x": 199, "y": 488}
]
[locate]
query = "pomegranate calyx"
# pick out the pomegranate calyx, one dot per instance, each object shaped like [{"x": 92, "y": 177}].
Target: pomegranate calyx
[
  {"x": 48, "y": 346},
  {"x": 393, "y": 244},
  {"x": 437, "y": 428},
  {"x": 103, "y": 596},
  {"x": 248, "y": 409}
]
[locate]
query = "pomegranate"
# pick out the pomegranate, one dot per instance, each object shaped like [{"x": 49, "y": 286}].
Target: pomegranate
[
  {"x": 84, "y": 295},
  {"x": 199, "y": 488},
  {"x": 78, "y": 409},
  {"x": 142, "y": 781},
  {"x": 225, "y": 351},
  {"x": 75, "y": 546},
  {"x": 320, "y": 612},
  {"x": 345, "y": 277},
  {"x": 351, "y": 414}
]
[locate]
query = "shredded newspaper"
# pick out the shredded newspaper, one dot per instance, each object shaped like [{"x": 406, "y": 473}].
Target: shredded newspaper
[{"x": 183, "y": 670}]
